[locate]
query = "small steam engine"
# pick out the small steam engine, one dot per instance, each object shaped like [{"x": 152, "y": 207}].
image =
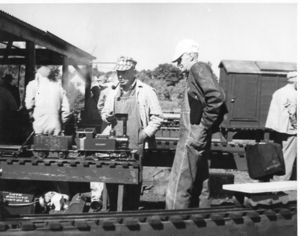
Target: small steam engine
[{"x": 87, "y": 143}]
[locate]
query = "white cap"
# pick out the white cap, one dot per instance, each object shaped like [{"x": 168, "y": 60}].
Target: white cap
[
  {"x": 185, "y": 46},
  {"x": 292, "y": 76}
]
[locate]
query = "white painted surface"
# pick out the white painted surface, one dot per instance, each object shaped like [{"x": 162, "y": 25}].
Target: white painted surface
[{"x": 262, "y": 187}]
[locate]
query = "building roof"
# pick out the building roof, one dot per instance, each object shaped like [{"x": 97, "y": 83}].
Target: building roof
[
  {"x": 14, "y": 29},
  {"x": 257, "y": 67}
]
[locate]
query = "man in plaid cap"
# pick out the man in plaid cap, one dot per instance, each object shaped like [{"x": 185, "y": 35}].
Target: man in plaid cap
[{"x": 140, "y": 102}]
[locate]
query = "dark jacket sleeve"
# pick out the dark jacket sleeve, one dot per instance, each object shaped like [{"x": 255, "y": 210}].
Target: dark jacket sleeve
[{"x": 210, "y": 93}]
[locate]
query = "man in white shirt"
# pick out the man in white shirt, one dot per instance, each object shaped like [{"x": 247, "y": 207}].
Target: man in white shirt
[
  {"x": 47, "y": 100},
  {"x": 282, "y": 118}
]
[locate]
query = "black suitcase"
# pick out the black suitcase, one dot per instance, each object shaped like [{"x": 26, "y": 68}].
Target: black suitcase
[{"x": 264, "y": 160}]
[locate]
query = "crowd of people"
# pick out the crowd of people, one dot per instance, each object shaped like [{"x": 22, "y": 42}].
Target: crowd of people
[{"x": 48, "y": 106}]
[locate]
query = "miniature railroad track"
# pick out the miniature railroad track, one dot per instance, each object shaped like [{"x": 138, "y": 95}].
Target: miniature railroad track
[
  {"x": 164, "y": 153},
  {"x": 233, "y": 146},
  {"x": 211, "y": 221}
]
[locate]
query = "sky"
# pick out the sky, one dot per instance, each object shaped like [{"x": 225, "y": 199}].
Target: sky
[{"x": 149, "y": 32}]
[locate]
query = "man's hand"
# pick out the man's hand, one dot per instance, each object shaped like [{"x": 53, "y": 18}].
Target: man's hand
[
  {"x": 111, "y": 118},
  {"x": 198, "y": 136},
  {"x": 30, "y": 114},
  {"x": 142, "y": 136}
]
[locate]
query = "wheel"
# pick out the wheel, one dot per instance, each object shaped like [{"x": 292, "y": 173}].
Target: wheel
[{"x": 40, "y": 154}]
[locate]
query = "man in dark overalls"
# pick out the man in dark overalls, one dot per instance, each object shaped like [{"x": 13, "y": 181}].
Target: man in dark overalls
[
  {"x": 188, "y": 181},
  {"x": 140, "y": 102}
]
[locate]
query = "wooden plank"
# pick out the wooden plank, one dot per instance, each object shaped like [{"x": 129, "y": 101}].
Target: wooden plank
[
  {"x": 65, "y": 72},
  {"x": 105, "y": 198},
  {"x": 7, "y": 50},
  {"x": 76, "y": 172},
  {"x": 30, "y": 62},
  {"x": 29, "y": 33},
  {"x": 39, "y": 61},
  {"x": 120, "y": 197},
  {"x": 264, "y": 187},
  {"x": 88, "y": 82}
]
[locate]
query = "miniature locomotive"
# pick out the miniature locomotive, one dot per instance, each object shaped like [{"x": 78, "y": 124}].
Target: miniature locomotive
[{"x": 86, "y": 143}]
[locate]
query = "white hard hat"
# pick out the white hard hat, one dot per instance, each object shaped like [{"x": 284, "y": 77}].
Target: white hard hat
[{"x": 185, "y": 46}]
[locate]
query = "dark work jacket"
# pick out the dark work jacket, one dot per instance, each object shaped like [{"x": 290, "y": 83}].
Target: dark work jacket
[{"x": 205, "y": 95}]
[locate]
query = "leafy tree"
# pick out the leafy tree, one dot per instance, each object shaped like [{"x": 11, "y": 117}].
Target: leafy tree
[
  {"x": 167, "y": 81},
  {"x": 167, "y": 72},
  {"x": 144, "y": 75},
  {"x": 54, "y": 73}
]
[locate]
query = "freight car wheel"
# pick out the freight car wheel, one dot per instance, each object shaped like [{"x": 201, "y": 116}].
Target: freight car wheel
[
  {"x": 40, "y": 154},
  {"x": 62, "y": 155}
]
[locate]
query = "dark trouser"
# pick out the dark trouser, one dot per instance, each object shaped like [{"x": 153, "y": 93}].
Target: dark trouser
[
  {"x": 132, "y": 192},
  {"x": 188, "y": 181},
  {"x": 289, "y": 149}
]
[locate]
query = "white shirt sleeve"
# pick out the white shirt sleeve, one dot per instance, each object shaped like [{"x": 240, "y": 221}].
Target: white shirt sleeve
[{"x": 30, "y": 95}]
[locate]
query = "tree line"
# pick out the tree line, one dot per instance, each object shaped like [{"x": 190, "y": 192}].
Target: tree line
[{"x": 166, "y": 79}]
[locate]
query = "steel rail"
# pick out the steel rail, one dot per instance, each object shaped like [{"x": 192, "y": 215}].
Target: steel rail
[{"x": 147, "y": 213}]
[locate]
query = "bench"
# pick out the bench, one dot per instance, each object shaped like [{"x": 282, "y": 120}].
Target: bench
[
  {"x": 262, "y": 187},
  {"x": 263, "y": 193}
]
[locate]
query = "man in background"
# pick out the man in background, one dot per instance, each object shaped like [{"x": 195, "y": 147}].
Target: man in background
[
  {"x": 8, "y": 109},
  {"x": 14, "y": 90},
  {"x": 203, "y": 98},
  {"x": 47, "y": 101},
  {"x": 282, "y": 118},
  {"x": 98, "y": 86}
]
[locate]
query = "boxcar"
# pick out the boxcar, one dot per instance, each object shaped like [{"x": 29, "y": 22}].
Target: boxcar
[{"x": 249, "y": 86}]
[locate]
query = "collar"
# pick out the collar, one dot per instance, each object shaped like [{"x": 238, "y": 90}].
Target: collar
[{"x": 138, "y": 83}]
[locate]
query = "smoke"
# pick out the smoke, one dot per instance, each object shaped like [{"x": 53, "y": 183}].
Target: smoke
[{"x": 74, "y": 86}]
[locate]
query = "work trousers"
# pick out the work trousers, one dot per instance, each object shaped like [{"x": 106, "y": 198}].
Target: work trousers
[
  {"x": 289, "y": 149},
  {"x": 188, "y": 181}
]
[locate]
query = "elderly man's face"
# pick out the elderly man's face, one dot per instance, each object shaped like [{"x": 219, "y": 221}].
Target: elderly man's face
[
  {"x": 126, "y": 78},
  {"x": 185, "y": 62}
]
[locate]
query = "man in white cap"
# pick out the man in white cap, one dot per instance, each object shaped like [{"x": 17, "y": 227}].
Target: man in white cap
[
  {"x": 282, "y": 118},
  {"x": 188, "y": 181},
  {"x": 140, "y": 102}
]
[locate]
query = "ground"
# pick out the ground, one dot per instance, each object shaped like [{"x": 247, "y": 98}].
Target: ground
[{"x": 155, "y": 181}]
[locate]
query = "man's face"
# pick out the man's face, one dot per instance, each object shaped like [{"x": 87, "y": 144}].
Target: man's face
[
  {"x": 126, "y": 78},
  {"x": 101, "y": 80},
  {"x": 44, "y": 71},
  {"x": 185, "y": 62}
]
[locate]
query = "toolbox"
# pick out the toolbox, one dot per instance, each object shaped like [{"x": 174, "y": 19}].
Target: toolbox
[{"x": 17, "y": 203}]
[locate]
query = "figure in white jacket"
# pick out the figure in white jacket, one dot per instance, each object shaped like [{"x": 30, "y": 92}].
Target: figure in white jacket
[
  {"x": 47, "y": 100},
  {"x": 282, "y": 118}
]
